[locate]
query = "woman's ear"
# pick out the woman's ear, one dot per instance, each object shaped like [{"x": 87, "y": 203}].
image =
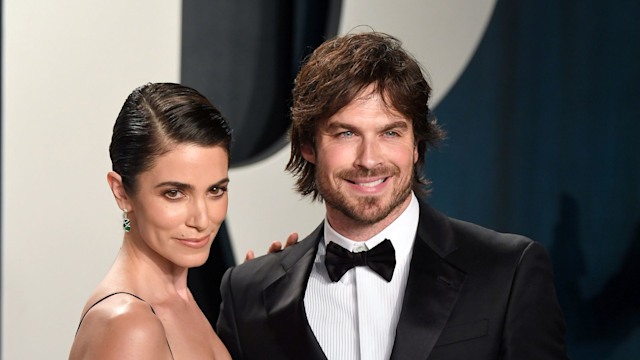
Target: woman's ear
[
  {"x": 117, "y": 188},
  {"x": 308, "y": 153}
]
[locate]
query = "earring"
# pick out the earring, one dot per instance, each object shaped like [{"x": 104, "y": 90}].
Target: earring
[{"x": 126, "y": 223}]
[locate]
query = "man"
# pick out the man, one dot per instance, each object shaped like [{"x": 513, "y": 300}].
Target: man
[{"x": 384, "y": 276}]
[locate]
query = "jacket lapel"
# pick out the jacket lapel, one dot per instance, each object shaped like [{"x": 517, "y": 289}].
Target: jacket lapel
[
  {"x": 284, "y": 303},
  {"x": 432, "y": 288}
]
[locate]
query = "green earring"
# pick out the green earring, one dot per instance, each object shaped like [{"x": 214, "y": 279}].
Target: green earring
[{"x": 126, "y": 223}]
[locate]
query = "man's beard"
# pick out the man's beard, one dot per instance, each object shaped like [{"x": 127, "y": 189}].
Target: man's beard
[{"x": 365, "y": 210}]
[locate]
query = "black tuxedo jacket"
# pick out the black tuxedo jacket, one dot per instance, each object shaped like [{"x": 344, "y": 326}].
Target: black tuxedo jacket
[{"x": 472, "y": 293}]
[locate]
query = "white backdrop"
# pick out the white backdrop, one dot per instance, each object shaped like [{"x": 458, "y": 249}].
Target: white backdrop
[{"x": 67, "y": 68}]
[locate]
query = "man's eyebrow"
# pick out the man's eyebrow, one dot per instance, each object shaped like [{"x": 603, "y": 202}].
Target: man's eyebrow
[
  {"x": 400, "y": 124},
  {"x": 397, "y": 125},
  {"x": 338, "y": 125}
]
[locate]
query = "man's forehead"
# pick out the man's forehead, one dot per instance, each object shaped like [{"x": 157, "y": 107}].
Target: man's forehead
[{"x": 386, "y": 107}]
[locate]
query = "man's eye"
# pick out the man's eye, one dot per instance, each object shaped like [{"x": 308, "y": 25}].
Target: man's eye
[
  {"x": 391, "y": 133},
  {"x": 346, "y": 134}
]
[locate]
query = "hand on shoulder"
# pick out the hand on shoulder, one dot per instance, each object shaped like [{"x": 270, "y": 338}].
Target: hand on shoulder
[{"x": 275, "y": 246}]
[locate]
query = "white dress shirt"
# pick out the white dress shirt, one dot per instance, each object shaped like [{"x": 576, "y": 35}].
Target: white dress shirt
[{"x": 356, "y": 317}]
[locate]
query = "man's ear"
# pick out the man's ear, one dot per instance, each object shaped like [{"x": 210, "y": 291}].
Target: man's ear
[
  {"x": 117, "y": 188},
  {"x": 415, "y": 154},
  {"x": 308, "y": 152}
]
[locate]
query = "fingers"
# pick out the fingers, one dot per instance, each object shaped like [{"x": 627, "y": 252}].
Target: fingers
[
  {"x": 250, "y": 256},
  {"x": 275, "y": 247},
  {"x": 291, "y": 239}
]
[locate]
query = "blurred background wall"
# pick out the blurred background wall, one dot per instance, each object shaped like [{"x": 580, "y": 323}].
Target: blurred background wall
[{"x": 540, "y": 99}]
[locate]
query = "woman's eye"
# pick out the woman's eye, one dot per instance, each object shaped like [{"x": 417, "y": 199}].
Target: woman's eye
[
  {"x": 173, "y": 194},
  {"x": 217, "y": 191}
]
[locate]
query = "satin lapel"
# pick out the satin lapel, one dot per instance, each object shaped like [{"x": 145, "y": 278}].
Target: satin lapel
[
  {"x": 284, "y": 301},
  {"x": 432, "y": 288}
]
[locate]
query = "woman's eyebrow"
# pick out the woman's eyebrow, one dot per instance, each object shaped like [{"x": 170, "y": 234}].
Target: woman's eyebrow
[{"x": 175, "y": 184}]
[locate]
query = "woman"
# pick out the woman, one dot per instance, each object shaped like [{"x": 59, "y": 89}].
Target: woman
[{"x": 170, "y": 160}]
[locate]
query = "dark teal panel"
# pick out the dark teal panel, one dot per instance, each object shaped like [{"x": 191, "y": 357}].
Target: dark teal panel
[{"x": 543, "y": 141}]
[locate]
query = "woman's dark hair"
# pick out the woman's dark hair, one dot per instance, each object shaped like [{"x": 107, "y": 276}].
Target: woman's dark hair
[
  {"x": 336, "y": 73},
  {"x": 157, "y": 117}
]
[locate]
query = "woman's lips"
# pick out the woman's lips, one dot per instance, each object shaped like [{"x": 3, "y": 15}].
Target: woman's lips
[{"x": 195, "y": 243}]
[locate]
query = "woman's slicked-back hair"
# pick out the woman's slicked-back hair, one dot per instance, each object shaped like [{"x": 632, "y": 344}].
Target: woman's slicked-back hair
[
  {"x": 336, "y": 73},
  {"x": 157, "y": 117}
]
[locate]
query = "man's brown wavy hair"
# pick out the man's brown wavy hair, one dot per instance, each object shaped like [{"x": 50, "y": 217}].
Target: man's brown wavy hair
[{"x": 336, "y": 73}]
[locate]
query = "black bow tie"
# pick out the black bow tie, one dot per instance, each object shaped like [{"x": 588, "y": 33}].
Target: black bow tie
[{"x": 381, "y": 259}]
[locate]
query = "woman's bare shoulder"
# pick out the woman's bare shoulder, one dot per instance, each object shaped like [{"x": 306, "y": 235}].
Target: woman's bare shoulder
[{"x": 121, "y": 327}]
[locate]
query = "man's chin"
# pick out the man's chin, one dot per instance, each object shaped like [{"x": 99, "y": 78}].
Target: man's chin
[{"x": 366, "y": 213}]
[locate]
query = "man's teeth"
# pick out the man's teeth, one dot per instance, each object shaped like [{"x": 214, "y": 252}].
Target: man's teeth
[{"x": 371, "y": 184}]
